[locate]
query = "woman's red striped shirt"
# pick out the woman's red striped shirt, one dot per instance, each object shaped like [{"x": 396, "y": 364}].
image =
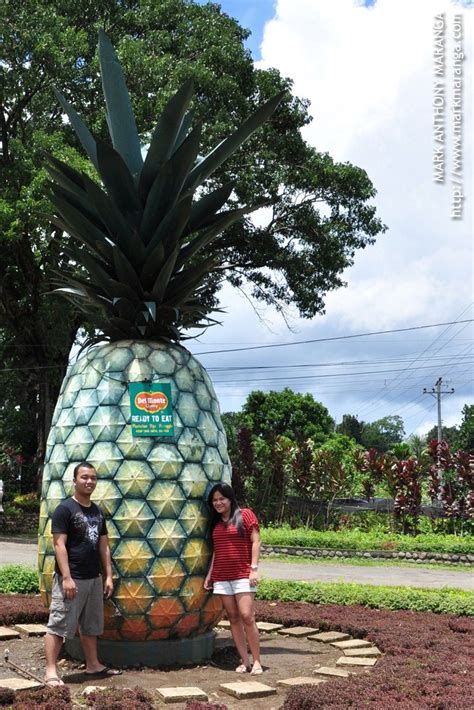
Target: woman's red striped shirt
[{"x": 232, "y": 552}]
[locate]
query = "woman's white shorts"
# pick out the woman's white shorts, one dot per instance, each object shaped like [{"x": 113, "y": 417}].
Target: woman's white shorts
[{"x": 234, "y": 586}]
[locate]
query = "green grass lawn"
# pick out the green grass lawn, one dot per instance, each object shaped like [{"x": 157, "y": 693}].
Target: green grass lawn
[{"x": 365, "y": 562}]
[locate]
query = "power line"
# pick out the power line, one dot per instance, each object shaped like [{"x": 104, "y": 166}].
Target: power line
[
  {"x": 339, "y": 337},
  {"x": 440, "y": 335},
  {"x": 335, "y": 374}
]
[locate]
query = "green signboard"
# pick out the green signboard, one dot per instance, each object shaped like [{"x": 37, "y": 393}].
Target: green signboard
[{"x": 152, "y": 411}]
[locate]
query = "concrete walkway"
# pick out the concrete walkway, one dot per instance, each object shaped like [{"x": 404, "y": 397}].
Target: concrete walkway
[
  {"x": 26, "y": 553},
  {"x": 384, "y": 575}
]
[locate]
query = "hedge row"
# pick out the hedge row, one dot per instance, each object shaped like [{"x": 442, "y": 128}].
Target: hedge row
[
  {"x": 366, "y": 541},
  {"x": 440, "y": 601},
  {"x": 17, "y": 579}
]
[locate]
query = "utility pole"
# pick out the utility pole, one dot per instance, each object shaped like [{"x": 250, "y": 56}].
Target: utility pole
[{"x": 437, "y": 392}]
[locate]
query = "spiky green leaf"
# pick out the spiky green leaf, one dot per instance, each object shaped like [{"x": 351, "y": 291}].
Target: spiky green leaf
[
  {"x": 118, "y": 180},
  {"x": 206, "y": 236},
  {"x": 165, "y": 135},
  {"x": 83, "y": 133},
  {"x": 162, "y": 280},
  {"x": 208, "y": 205},
  {"x": 121, "y": 121},
  {"x": 120, "y": 232},
  {"x": 126, "y": 274},
  {"x": 168, "y": 184},
  {"x": 228, "y": 146}
]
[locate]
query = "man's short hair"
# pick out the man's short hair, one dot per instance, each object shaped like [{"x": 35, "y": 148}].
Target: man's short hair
[{"x": 83, "y": 464}]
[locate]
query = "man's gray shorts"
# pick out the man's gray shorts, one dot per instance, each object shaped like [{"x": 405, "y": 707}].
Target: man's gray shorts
[{"x": 85, "y": 611}]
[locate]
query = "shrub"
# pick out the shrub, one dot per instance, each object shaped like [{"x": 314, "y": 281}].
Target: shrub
[
  {"x": 120, "y": 699},
  {"x": 17, "y": 579},
  {"x": 427, "y": 663},
  {"x": 28, "y": 502},
  {"x": 7, "y": 696},
  {"x": 440, "y": 601},
  {"x": 22, "y": 609},
  {"x": 46, "y": 698}
]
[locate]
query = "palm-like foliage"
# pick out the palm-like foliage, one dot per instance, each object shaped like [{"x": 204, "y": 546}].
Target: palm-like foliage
[{"x": 144, "y": 237}]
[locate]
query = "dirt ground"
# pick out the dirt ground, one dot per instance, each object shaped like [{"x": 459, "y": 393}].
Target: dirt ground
[{"x": 282, "y": 657}]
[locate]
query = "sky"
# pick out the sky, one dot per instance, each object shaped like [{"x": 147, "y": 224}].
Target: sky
[{"x": 369, "y": 73}]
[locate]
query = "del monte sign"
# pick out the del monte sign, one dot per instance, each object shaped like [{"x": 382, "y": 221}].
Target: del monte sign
[{"x": 151, "y": 409}]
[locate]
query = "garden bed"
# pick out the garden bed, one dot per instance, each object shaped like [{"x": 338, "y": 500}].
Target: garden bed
[{"x": 428, "y": 658}]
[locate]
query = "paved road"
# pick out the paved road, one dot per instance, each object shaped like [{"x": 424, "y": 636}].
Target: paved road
[
  {"x": 25, "y": 553},
  {"x": 385, "y": 575}
]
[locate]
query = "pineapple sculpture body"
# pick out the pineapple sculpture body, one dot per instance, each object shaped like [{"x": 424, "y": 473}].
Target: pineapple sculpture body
[
  {"x": 150, "y": 488},
  {"x": 146, "y": 239}
]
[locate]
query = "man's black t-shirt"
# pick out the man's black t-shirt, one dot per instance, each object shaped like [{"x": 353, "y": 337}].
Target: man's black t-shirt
[{"x": 83, "y": 527}]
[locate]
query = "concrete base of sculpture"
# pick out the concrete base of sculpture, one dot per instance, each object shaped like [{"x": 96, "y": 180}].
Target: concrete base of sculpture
[{"x": 149, "y": 653}]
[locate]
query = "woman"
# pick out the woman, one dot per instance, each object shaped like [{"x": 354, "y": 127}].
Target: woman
[{"x": 233, "y": 570}]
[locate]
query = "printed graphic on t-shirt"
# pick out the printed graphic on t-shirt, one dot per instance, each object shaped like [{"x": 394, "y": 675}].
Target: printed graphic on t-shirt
[{"x": 87, "y": 526}]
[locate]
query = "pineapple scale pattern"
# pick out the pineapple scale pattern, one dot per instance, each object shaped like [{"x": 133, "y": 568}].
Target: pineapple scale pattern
[{"x": 151, "y": 489}]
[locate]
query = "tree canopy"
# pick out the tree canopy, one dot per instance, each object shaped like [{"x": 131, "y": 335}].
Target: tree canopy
[
  {"x": 465, "y": 435},
  {"x": 351, "y": 427},
  {"x": 383, "y": 433},
  {"x": 290, "y": 414},
  {"x": 319, "y": 211}
]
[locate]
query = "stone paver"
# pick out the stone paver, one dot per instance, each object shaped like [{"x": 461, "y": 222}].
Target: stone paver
[
  {"x": 245, "y": 691},
  {"x": 32, "y": 629},
  {"x": 224, "y": 624},
  {"x": 6, "y": 633},
  {"x": 329, "y": 636},
  {"x": 351, "y": 643},
  {"x": 93, "y": 688},
  {"x": 355, "y": 661},
  {"x": 179, "y": 695},
  {"x": 297, "y": 631},
  {"x": 335, "y": 672},
  {"x": 266, "y": 626},
  {"x": 300, "y": 680},
  {"x": 19, "y": 684},
  {"x": 362, "y": 652}
]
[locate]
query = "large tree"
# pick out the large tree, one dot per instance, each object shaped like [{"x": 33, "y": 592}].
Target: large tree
[
  {"x": 351, "y": 427},
  {"x": 290, "y": 414},
  {"x": 465, "y": 435},
  {"x": 319, "y": 210},
  {"x": 383, "y": 433}
]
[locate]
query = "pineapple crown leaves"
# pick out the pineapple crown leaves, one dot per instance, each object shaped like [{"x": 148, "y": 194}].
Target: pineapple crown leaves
[{"x": 144, "y": 237}]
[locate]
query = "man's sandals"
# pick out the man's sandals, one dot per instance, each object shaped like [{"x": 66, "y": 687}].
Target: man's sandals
[
  {"x": 105, "y": 672},
  {"x": 53, "y": 681}
]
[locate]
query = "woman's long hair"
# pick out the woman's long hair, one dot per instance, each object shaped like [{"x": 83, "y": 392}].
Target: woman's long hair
[{"x": 235, "y": 515}]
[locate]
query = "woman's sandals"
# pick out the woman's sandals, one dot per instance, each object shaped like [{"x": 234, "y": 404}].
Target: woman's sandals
[
  {"x": 243, "y": 668},
  {"x": 256, "y": 669}
]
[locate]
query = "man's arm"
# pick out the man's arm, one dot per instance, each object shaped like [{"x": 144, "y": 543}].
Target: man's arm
[
  {"x": 106, "y": 563},
  {"x": 69, "y": 585}
]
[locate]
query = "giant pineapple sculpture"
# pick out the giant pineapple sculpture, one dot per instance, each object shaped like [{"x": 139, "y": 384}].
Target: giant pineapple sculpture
[{"x": 145, "y": 238}]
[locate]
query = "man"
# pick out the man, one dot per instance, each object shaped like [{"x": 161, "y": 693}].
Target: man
[{"x": 82, "y": 550}]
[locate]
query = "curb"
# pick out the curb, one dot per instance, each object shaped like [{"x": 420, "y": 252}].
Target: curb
[
  {"x": 21, "y": 540},
  {"x": 414, "y": 557}
]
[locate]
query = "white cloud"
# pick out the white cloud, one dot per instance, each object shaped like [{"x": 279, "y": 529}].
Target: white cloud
[{"x": 369, "y": 75}]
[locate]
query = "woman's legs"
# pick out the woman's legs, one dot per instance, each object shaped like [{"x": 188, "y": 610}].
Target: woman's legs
[
  {"x": 236, "y": 627},
  {"x": 245, "y": 606}
]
